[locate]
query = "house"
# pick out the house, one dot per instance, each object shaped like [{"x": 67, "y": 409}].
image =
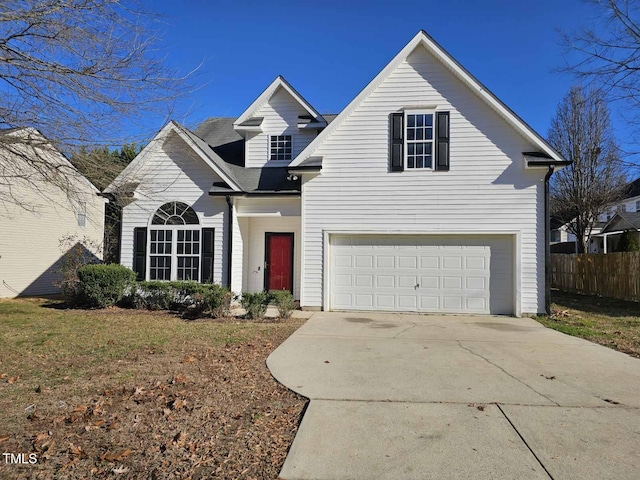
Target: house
[
  {"x": 426, "y": 193},
  {"x": 46, "y": 209},
  {"x": 607, "y": 239},
  {"x": 564, "y": 240}
]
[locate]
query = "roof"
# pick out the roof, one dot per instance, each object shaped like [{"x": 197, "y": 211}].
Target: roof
[
  {"x": 218, "y": 133},
  {"x": 623, "y": 221},
  {"x": 35, "y": 134},
  {"x": 633, "y": 189},
  {"x": 264, "y": 97},
  {"x": 422, "y": 38}
]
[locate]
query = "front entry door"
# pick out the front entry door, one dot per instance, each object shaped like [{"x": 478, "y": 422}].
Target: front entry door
[{"x": 278, "y": 262}]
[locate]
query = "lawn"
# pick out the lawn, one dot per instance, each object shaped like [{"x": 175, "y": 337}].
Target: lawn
[
  {"x": 133, "y": 394},
  {"x": 609, "y": 322}
]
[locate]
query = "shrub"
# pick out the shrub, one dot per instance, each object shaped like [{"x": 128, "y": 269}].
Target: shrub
[
  {"x": 104, "y": 285},
  {"x": 285, "y": 303},
  {"x": 255, "y": 304},
  {"x": 628, "y": 243},
  {"x": 195, "y": 299},
  {"x": 77, "y": 252}
]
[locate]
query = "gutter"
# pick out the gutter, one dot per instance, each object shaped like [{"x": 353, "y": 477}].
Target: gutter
[
  {"x": 547, "y": 243},
  {"x": 229, "y": 240}
]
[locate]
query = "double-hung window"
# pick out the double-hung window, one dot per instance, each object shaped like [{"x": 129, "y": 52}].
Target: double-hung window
[
  {"x": 419, "y": 139},
  {"x": 280, "y": 147},
  {"x": 174, "y": 243}
]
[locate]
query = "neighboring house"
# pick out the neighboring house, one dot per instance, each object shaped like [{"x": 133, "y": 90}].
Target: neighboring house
[
  {"x": 607, "y": 239},
  {"x": 426, "y": 193},
  {"x": 42, "y": 214},
  {"x": 629, "y": 204}
]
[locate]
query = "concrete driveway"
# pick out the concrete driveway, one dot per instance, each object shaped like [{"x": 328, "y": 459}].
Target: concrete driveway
[{"x": 457, "y": 397}]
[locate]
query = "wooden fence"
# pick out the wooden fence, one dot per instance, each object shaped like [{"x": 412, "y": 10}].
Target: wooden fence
[{"x": 615, "y": 275}]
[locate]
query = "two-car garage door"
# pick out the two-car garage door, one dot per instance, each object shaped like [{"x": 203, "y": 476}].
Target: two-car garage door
[{"x": 421, "y": 273}]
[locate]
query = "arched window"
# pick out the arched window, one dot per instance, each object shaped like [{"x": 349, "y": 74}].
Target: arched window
[
  {"x": 174, "y": 243},
  {"x": 175, "y": 213}
]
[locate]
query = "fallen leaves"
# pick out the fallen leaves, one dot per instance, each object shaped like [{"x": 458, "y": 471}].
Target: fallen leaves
[{"x": 217, "y": 412}]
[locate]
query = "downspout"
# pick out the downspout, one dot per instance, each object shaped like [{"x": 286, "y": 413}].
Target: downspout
[
  {"x": 547, "y": 244},
  {"x": 229, "y": 240}
]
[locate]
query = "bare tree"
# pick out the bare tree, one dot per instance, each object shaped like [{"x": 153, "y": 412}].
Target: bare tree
[
  {"x": 581, "y": 131},
  {"x": 80, "y": 72},
  {"x": 608, "y": 54}
]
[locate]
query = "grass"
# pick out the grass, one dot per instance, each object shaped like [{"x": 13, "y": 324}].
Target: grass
[
  {"x": 125, "y": 370},
  {"x": 609, "y": 322}
]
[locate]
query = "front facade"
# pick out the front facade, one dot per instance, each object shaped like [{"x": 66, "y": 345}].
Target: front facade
[
  {"x": 43, "y": 219},
  {"x": 425, "y": 194}
]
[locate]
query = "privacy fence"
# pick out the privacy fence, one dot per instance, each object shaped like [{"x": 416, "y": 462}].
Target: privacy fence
[{"x": 615, "y": 275}]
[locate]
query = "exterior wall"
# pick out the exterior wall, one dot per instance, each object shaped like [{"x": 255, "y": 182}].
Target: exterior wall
[
  {"x": 280, "y": 115},
  {"x": 486, "y": 190},
  {"x": 254, "y": 230},
  {"x": 173, "y": 172},
  {"x": 31, "y": 242}
]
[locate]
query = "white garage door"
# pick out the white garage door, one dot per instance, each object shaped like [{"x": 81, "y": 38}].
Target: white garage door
[{"x": 449, "y": 274}]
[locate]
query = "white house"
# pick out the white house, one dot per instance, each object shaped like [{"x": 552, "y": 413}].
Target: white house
[
  {"x": 46, "y": 208},
  {"x": 426, "y": 193},
  {"x": 602, "y": 230}
]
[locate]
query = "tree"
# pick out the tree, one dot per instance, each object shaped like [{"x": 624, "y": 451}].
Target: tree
[
  {"x": 628, "y": 243},
  {"x": 609, "y": 54},
  {"x": 581, "y": 131},
  {"x": 79, "y": 72}
]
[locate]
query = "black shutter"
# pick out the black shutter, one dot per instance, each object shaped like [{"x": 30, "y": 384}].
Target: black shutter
[
  {"x": 442, "y": 149},
  {"x": 206, "y": 269},
  {"x": 140, "y": 252},
  {"x": 396, "y": 132}
]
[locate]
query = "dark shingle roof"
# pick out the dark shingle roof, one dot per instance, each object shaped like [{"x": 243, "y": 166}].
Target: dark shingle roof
[
  {"x": 633, "y": 189},
  {"x": 623, "y": 221},
  {"x": 227, "y": 144}
]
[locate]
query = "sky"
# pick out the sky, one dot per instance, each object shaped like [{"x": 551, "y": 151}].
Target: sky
[{"x": 330, "y": 50}]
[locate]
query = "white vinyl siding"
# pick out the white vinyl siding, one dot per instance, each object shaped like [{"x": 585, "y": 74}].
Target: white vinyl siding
[
  {"x": 280, "y": 115},
  {"x": 173, "y": 172},
  {"x": 486, "y": 190}
]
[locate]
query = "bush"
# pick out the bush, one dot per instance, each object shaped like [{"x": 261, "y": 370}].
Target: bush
[
  {"x": 255, "y": 304},
  {"x": 628, "y": 243},
  {"x": 104, "y": 285},
  {"x": 195, "y": 299},
  {"x": 285, "y": 303},
  {"x": 77, "y": 252}
]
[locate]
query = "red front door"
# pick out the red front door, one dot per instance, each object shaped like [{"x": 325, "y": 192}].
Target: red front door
[{"x": 279, "y": 261}]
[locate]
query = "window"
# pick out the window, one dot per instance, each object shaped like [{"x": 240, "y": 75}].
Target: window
[
  {"x": 637, "y": 205},
  {"x": 419, "y": 140},
  {"x": 174, "y": 243},
  {"x": 621, "y": 208},
  {"x": 280, "y": 148},
  {"x": 82, "y": 214}
]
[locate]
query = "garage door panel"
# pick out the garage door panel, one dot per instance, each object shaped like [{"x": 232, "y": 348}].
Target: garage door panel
[{"x": 456, "y": 274}]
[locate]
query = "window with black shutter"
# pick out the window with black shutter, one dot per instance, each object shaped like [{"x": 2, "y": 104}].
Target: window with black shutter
[{"x": 419, "y": 139}]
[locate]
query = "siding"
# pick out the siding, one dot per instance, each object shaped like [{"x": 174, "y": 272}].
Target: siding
[
  {"x": 280, "y": 115},
  {"x": 487, "y": 188},
  {"x": 173, "y": 172},
  {"x": 31, "y": 242}
]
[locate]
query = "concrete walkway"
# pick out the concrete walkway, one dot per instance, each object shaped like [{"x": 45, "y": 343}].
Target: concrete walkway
[{"x": 457, "y": 397}]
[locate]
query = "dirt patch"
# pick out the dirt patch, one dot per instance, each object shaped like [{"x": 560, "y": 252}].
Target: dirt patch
[{"x": 190, "y": 407}]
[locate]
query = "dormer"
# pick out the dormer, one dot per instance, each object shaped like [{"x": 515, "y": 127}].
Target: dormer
[{"x": 277, "y": 126}]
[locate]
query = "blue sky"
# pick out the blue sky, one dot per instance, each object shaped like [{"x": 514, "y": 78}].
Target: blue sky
[{"x": 329, "y": 50}]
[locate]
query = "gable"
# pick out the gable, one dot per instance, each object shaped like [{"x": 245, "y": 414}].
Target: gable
[
  {"x": 480, "y": 137},
  {"x": 439, "y": 55}
]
